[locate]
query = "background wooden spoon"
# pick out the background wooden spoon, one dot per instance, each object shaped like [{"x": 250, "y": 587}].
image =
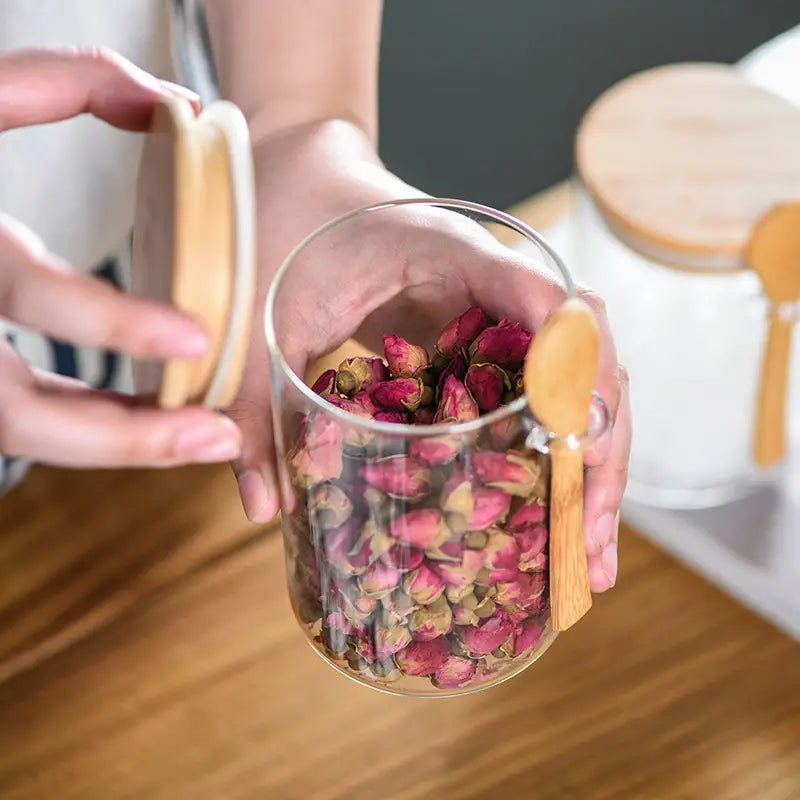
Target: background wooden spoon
[
  {"x": 774, "y": 253},
  {"x": 560, "y": 373}
]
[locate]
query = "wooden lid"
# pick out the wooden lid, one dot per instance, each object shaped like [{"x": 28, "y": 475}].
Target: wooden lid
[
  {"x": 683, "y": 160},
  {"x": 193, "y": 245}
]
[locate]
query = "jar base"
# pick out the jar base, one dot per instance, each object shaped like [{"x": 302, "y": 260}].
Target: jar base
[{"x": 688, "y": 499}]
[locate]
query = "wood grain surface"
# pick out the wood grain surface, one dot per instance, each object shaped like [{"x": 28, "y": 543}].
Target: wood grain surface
[{"x": 147, "y": 650}]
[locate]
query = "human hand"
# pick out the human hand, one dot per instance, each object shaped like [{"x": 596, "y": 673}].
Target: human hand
[
  {"x": 60, "y": 421},
  {"x": 421, "y": 268}
]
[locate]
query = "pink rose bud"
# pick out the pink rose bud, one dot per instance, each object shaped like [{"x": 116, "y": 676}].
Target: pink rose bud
[
  {"x": 461, "y": 332},
  {"x": 506, "y": 345},
  {"x": 338, "y": 544},
  {"x": 490, "y": 507},
  {"x": 510, "y": 471},
  {"x": 527, "y": 637},
  {"x": 462, "y": 574},
  {"x": 369, "y": 544},
  {"x": 502, "y": 432},
  {"x": 420, "y": 659},
  {"x": 398, "y": 606},
  {"x": 355, "y": 606},
  {"x": 457, "y": 368},
  {"x": 523, "y": 592},
  {"x": 489, "y": 635},
  {"x": 458, "y": 498},
  {"x": 330, "y": 506},
  {"x": 363, "y": 399},
  {"x": 455, "y": 672},
  {"x": 338, "y": 622},
  {"x": 422, "y": 527},
  {"x": 435, "y": 452},
  {"x": 456, "y": 403},
  {"x": 429, "y": 622},
  {"x": 402, "y": 557},
  {"x": 400, "y": 394},
  {"x": 423, "y": 416},
  {"x": 423, "y": 585},
  {"x": 500, "y": 557},
  {"x": 325, "y": 384},
  {"x": 355, "y": 374},
  {"x": 379, "y": 580},
  {"x": 389, "y": 641},
  {"x": 529, "y": 515},
  {"x": 486, "y": 383},
  {"x": 447, "y": 551},
  {"x": 465, "y": 616},
  {"x": 405, "y": 360},
  {"x": 531, "y": 543},
  {"x": 399, "y": 476},
  {"x": 319, "y": 457},
  {"x": 395, "y": 417},
  {"x": 348, "y": 405}
]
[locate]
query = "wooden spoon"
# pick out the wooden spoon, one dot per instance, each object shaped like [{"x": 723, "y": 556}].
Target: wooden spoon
[
  {"x": 774, "y": 253},
  {"x": 560, "y": 373}
]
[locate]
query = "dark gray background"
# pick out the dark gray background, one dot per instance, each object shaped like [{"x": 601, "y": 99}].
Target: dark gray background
[{"x": 480, "y": 98}]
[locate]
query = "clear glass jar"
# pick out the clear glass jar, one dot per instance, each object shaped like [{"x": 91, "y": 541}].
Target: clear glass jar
[{"x": 416, "y": 555}]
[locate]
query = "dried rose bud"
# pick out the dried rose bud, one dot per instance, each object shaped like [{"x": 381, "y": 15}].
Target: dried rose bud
[
  {"x": 337, "y": 545},
  {"x": 369, "y": 544},
  {"x": 420, "y": 659},
  {"x": 464, "y": 616},
  {"x": 490, "y": 507},
  {"x": 461, "y": 332},
  {"x": 460, "y": 594},
  {"x": 456, "y": 403},
  {"x": 523, "y": 592},
  {"x": 385, "y": 671},
  {"x": 423, "y": 416},
  {"x": 378, "y": 503},
  {"x": 389, "y": 641},
  {"x": 355, "y": 374},
  {"x": 405, "y": 360},
  {"x": 340, "y": 623},
  {"x": 488, "y": 636},
  {"x": 379, "y": 580},
  {"x": 476, "y": 540},
  {"x": 435, "y": 452},
  {"x": 365, "y": 401},
  {"x": 500, "y": 557},
  {"x": 531, "y": 544},
  {"x": 427, "y": 396},
  {"x": 423, "y": 585},
  {"x": 503, "y": 432},
  {"x": 486, "y": 383},
  {"x": 457, "y": 498},
  {"x": 431, "y": 621},
  {"x": 319, "y": 457},
  {"x": 402, "y": 557},
  {"x": 356, "y": 662},
  {"x": 330, "y": 506},
  {"x": 395, "y": 417},
  {"x": 510, "y": 471},
  {"x": 456, "y": 367},
  {"x": 422, "y": 527},
  {"x": 462, "y": 574},
  {"x": 398, "y": 606},
  {"x": 447, "y": 551},
  {"x": 356, "y": 607},
  {"x": 398, "y": 476},
  {"x": 325, "y": 384},
  {"x": 485, "y": 608},
  {"x": 519, "y": 385},
  {"x": 527, "y": 637},
  {"x": 400, "y": 394},
  {"x": 454, "y": 673},
  {"x": 506, "y": 345},
  {"x": 528, "y": 515},
  {"x": 348, "y": 405}
]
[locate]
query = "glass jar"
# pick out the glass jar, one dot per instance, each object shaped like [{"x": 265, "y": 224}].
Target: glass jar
[
  {"x": 676, "y": 167},
  {"x": 416, "y": 555}
]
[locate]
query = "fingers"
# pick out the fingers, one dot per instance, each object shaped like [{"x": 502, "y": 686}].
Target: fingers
[
  {"x": 64, "y": 424},
  {"x": 604, "y": 488},
  {"x": 40, "y": 292},
  {"x": 47, "y": 85}
]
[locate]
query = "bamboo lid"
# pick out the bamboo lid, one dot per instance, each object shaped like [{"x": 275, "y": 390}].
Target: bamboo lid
[
  {"x": 683, "y": 160},
  {"x": 193, "y": 245}
]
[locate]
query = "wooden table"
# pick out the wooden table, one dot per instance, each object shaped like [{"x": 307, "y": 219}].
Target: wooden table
[{"x": 147, "y": 650}]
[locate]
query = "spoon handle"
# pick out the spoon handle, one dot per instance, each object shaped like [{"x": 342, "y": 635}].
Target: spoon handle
[
  {"x": 770, "y": 443},
  {"x": 570, "y": 597}
]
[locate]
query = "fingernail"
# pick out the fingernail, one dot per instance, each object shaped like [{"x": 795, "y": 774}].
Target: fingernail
[
  {"x": 255, "y": 497},
  {"x": 175, "y": 89},
  {"x": 210, "y": 442},
  {"x": 608, "y": 560}
]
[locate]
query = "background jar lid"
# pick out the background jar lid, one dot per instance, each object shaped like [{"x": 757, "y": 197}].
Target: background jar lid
[
  {"x": 682, "y": 161},
  {"x": 194, "y": 245}
]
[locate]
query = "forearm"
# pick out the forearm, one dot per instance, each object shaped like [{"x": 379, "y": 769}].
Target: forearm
[{"x": 288, "y": 63}]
